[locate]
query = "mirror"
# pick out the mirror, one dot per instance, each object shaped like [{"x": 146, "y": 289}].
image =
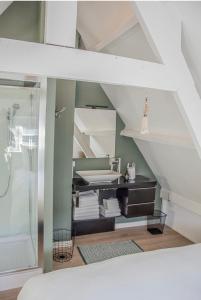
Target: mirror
[{"x": 94, "y": 133}]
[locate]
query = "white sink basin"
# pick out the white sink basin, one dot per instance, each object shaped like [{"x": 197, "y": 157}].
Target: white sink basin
[{"x": 96, "y": 176}]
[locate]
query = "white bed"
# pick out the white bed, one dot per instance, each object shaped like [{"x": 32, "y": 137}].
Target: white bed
[{"x": 169, "y": 274}]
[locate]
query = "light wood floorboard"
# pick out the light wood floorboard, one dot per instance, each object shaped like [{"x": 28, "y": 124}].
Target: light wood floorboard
[
  {"x": 144, "y": 239},
  {"x": 140, "y": 235},
  {"x": 10, "y": 294}
]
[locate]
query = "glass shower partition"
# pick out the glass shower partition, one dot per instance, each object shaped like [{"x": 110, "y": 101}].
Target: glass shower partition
[{"x": 19, "y": 174}]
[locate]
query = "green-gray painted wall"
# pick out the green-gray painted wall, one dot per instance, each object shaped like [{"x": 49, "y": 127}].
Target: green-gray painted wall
[
  {"x": 64, "y": 126},
  {"x": 22, "y": 21}
]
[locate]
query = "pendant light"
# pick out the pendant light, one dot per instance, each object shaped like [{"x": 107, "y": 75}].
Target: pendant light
[{"x": 144, "y": 124}]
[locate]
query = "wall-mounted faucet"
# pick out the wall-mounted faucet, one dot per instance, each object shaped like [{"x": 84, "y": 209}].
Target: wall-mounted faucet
[
  {"x": 58, "y": 111},
  {"x": 73, "y": 168},
  {"x": 115, "y": 164}
]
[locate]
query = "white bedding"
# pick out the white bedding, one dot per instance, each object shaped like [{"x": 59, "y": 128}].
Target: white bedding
[{"x": 169, "y": 274}]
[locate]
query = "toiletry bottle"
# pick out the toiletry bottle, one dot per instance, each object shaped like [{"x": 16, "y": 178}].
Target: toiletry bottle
[
  {"x": 131, "y": 171},
  {"x": 126, "y": 175}
]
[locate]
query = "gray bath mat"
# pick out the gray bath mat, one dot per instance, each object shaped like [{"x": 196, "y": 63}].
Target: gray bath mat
[{"x": 99, "y": 252}]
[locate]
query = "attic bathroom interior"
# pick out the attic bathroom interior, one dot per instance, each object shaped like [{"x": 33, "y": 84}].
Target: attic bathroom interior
[
  {"x": 96, "y": 135},
  {"x": 89, "y": 130}
]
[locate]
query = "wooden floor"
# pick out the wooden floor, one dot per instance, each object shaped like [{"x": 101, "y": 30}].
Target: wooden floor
[{"x": 140, "y": 235}]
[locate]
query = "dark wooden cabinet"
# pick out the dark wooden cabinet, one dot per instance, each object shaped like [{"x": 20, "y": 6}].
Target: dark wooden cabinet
[
  {"x": 137, "y": 210},
  {"x": 136, "y": 202},
  {"x": 135, "y": 199},
  {"x": 141, "y": 195},
  {"x": 102, "y": 224}
]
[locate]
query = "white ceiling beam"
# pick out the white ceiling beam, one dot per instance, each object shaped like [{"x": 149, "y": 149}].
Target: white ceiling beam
[
  {"x": 76, "y": 64},
  {"x": 4, "y": 5},
  {"x": 20, "y": 77},
  {"x": 112, "y": 36},
  {"x": 165, "y": 40},
  {"x": 60, "y": 23}
]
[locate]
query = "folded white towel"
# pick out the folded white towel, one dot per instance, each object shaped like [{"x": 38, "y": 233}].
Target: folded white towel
[
  {"x": 84, "y": 202},
  {"x": 105, "y": 203},
  {"x": 88, "y": 217},
  {"x": 86, "y": 209},
  {"x": 89, "y": 213},
  {"x": 88, "y": 201},
  {"x": 111, "y": 209},
  {"x": 109, "y": 213},
  {"x": 88, "y": 206},
  {"x": 85, "y": 213},
  {"x": 87, "y": 193},
  {"x": 102, "y": 208},
  {"x": 111, "y": 203},
  {"x": 88, "y": 197}
]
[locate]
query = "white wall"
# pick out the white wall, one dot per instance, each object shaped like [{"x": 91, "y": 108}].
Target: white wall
[
  {"x": 183, "y": 221},
  {"x": 178, "y": 169}
]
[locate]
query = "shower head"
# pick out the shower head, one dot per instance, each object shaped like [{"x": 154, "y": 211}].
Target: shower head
[
  {"x": 12, "y": 111},
  {"x": 16, "y": 106}
]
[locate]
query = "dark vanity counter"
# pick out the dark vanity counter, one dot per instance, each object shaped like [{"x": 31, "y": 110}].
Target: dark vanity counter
[
  {"x": 135, "y": 199},
  {"x": 80, "y": 185}
]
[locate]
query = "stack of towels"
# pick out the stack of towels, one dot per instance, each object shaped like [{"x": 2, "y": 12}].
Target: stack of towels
[
  {"x": 88, "y": 206},
  {"x": 110, "y": 208}
]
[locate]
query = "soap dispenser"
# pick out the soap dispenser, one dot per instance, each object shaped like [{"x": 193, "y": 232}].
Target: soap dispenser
[{"x": 131, "y": 171}]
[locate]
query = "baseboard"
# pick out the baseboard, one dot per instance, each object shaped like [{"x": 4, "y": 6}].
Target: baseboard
[
  {"x": 183, "y": 220},
  {"x": 188, "y": 204},
  {"x": 130, "y": 224},
  {"x": 17, "y": 279}
]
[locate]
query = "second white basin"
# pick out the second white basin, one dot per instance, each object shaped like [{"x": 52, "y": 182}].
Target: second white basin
[{"x": 95, "y": 176}]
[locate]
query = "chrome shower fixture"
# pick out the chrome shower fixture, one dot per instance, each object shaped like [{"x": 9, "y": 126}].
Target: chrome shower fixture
[
  {"x": 58, "y": 112},
  {"x": 9, "y": 149},
  {"x": 16, "y": 106},
  {"x": 12, "y": 111}
]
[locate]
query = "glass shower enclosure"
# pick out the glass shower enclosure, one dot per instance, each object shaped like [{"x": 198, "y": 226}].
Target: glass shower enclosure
[{"x": 20, "y": 142}]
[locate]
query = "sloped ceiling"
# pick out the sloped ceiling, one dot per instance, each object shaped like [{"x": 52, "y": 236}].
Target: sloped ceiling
[
  {"x": 176, "y": 165},
  {"x": 131, "y": 44},
  {"x": 98, "y": 20},
  {"x": 190, "y": 14}
]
